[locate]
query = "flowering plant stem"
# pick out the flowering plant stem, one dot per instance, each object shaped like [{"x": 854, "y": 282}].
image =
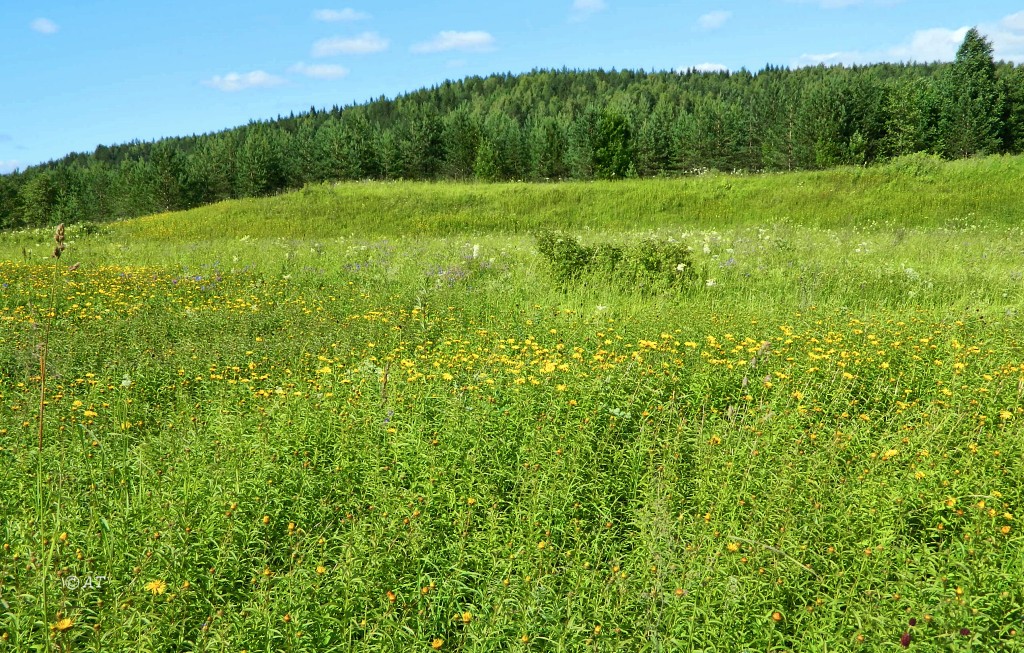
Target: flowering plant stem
[{"x": 46, "y": 556}]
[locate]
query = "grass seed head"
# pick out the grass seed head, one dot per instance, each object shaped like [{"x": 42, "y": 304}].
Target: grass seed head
[{"x": 58, "y": 238}]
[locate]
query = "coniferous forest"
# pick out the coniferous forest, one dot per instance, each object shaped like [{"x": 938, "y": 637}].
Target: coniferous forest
[{"x": 555, "y": 124}]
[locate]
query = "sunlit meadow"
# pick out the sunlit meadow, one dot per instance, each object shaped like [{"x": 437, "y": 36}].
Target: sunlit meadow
[{"x": 267, "y": 433}]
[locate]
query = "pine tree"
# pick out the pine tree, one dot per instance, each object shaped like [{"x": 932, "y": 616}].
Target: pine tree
[
  {"x": 461, "y": 138},
  {"x": 972, "y": 105},
  {"x": 262, "y": 168},
  {"x": 168, "y": 165},
  {"x": 9, "y": 214},
  {"x": 38, "y": 197},
  {"x": 547, "y": 148},
  {"x": 612, "y": 152},
  {"x": 1012, "y": 80}
]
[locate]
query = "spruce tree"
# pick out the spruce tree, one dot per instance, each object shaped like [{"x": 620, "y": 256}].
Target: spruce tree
[{"x": 972, "y": 104}]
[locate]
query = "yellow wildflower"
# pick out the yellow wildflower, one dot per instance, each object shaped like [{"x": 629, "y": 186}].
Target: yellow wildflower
[
  {"x": 63, "y": 625},
  {"x": 156, "y": 586}
]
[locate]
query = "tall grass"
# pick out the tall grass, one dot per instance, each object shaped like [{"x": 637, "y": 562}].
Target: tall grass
[{"x": 290, "y": 435}]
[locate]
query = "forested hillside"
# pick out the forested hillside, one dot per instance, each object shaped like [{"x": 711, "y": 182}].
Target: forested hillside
[{"x": 555, "y": 124}]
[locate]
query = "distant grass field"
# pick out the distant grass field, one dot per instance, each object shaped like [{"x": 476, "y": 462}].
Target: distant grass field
[
  {"x": 913, "y": 191},
  {"x": 365, "y": 417}
]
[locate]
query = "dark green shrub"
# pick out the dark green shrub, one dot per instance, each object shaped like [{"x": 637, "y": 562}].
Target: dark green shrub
[
  {"x": 568, "y": 258},
  {"x": 649, "y": 265},
  {"x": 605, "y": 259},
  {"x": 657, "y": 265}
]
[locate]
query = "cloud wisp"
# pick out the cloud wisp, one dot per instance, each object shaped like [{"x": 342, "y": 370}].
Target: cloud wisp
[
  {"x": 339, "y": 15},
  {"x": 1014, "y": 21},
  {"x": 704, "y": 68},
  {"x": 365, "y": 43},
  {"x": 1008, "y": 37},
  {"x": 584, "y": 9},
  {"x": 44, "y": 26},
  {"x": 474, "y": 41},
  {"x": 233, "y": 82},
  {"x": 935, "y": 44},
  {"x": 9, "y": 165},
  {"x": 320, "y": 71},
  {"x": 713, "y": 20},
  {"x": 841, "y": 4}
]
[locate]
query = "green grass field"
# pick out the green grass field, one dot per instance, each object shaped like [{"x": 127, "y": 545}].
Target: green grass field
[{"x": 365, "y": 417}]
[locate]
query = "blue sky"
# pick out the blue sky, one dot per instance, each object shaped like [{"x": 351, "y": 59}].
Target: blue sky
[{"x": 78, "y": 73}]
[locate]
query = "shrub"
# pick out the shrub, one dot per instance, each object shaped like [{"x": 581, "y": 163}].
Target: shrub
[
  {"x": 650, "y": 265},
  {"x": 656, "y": 265},
  {"x": 568, "y": 258}
]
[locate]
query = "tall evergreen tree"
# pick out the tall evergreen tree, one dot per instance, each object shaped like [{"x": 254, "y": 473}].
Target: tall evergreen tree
[
  {"x": 9, "y": 214},
  {"x": 38, "y": 197},
  {"x": 168, "y": 164},
  {"x": 972, "y": 105},
  {"x": 546, "y": 146},
  {"x": 460, "y": 136},
  {"x": 262, "y": 165},
  {"x": 612, "y": 145},
  {"x": 904, "y": 121},
  {"x": 582, "y": 135},
  {"x": 1012, "y": 81}
]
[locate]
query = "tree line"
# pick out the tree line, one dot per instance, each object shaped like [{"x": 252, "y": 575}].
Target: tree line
[{"x": 551, "y": 125}]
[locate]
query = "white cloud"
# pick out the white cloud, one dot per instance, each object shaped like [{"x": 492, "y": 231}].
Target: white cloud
[
  {"x": 365, "y": 43},
  {"x": 829, "y": 58},
  {"x": 583, "y": 9},
  {"x": 44, "y": 26},
  {"x": 463, "y": 41},
  {"x": 839, "y": 4},
  {"x": 1014, "y": 21},
  {"x": 241, "y": 81},
  {"x": 9, "y": 166},
  {"x": 320, "y": 71},
  {"x": 1008, "y": 37},
  {"x": 338, "y": 15},
  {"x": 714, "y": 19},
  {"x": 935, "y": 44},
  {"x": 710, "y": 68},
  {"x": 704, "y": 68},
  {"x": 833, "y": 58}
]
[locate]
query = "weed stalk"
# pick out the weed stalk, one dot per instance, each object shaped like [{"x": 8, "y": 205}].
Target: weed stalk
[{"x": 58, "y": 238}]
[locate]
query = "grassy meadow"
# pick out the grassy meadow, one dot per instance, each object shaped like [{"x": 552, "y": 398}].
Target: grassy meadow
[{"x": 365, "y": 417}]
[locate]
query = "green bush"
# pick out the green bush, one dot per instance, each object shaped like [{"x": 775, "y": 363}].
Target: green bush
[
  {"x": 568, "y": 258},
  {"x": 649, "y": 265},
  {"x": 656, "y": 265}
]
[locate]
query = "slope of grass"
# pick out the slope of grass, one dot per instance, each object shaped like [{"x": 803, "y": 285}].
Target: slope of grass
[{"x": 913, "y": 191}]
